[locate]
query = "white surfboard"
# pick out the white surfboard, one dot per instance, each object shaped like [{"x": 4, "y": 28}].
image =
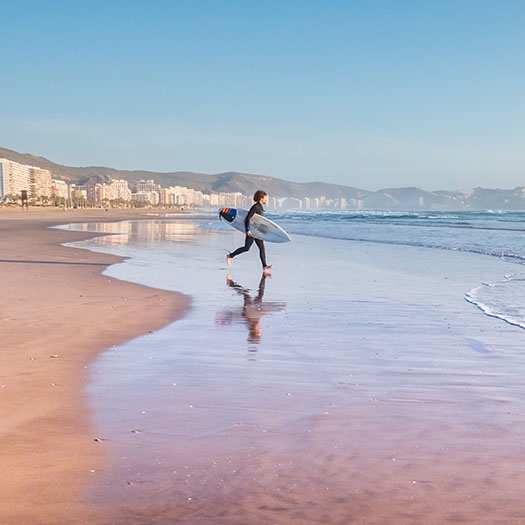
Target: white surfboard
[{"x": 261, "y": 227}]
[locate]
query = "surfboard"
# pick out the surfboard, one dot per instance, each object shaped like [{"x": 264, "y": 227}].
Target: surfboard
[{"x": 261, "y": 227}]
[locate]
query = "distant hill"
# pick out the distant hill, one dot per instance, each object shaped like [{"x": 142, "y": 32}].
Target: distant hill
[
  {"x": 391, "y": 198},
  {"x": 221, "y": 182}
]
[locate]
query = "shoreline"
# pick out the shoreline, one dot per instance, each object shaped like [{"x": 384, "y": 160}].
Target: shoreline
[{"x": 57, "y": 313}]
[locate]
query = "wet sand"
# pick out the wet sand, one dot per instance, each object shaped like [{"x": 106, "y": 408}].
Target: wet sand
[
  {"x": 371, "y": 392},
  {"x": 56, "y": 313}
]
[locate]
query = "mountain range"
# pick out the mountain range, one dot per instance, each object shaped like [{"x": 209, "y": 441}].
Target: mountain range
[{"x": 389, "y": 198}]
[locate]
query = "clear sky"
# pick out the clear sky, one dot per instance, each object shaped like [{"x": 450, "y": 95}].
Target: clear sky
[{"x": 368, "y": 93}]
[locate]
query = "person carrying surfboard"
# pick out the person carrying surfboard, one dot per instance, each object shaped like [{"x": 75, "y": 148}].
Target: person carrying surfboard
[{"x": 260, "y": 197}]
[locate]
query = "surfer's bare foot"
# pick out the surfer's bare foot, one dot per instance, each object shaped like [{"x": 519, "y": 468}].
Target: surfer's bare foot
[
  {"x": 229, "y": 260},
  {"x": 267, "y": 269}
]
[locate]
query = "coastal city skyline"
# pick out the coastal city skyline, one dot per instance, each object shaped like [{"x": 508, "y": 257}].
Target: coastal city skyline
[
  {"x": 366, "y": 94},
  {"x": 39, "y": 186}
]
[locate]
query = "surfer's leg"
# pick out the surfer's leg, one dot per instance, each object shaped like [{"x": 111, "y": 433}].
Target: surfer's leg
[
  {"x": 262, "y": 252},
  {"x": 247, "y": 245}
]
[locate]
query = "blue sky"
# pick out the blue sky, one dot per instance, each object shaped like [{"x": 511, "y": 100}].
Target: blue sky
[{"x": 372, "y": 94}]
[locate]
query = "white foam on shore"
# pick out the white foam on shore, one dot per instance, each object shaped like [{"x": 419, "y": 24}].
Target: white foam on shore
[{"x": 502, "y": 299}]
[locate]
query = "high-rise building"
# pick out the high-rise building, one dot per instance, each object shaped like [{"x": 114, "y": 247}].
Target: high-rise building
[
  {"x": 15, "y": 178},
  {"x": 59, "y": 188},
  {"x": 147, "y": 185},
  {"x": 39, "y": 182},
  {"x": 146, "y": 197},
  {"x": 120, "y": 190}
]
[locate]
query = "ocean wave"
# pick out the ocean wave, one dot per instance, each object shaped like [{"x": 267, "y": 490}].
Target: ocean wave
[
  {"x": 501, "y": 299},
  {"x": 513, "y": 221},
  {"x": 480, "y": 233},
  {"x": 500, "y": 235}
]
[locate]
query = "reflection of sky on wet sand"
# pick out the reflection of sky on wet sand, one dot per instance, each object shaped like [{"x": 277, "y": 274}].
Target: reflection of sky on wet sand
[
  {"x": 369, "y": 381},
  {"x": 140, "y": 231}
]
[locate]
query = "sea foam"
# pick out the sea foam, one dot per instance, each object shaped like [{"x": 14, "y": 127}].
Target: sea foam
[{"x": 501, "y": 299}]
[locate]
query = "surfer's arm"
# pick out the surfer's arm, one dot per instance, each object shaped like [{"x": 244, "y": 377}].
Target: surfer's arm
[
  {"x": 253, "y": 210},
  {"x": 247, "y": 222}
]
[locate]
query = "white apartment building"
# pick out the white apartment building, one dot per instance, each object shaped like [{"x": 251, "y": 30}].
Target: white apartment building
[
  {"x": 116, "y": 189},
  {"x": 147, "y": 185},
  {"x": 120, "y": 189},
  {"x": 15, "y": 178},
  {"x": 146, "y": 197},
  {"x": 181, "y": 196},
  {"x": 59, "y": 188},
  {"x": 234, "y": 200},
  {"x": 40, "y": 184}
]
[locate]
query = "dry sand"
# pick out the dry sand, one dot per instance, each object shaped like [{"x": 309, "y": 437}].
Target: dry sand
[{"x": 57, "y": 312}]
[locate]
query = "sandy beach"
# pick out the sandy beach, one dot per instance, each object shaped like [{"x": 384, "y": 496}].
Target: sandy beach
[{"x": 57, "y": 312}]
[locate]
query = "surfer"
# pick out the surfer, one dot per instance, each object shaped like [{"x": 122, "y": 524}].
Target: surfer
[{"x": 260, "y": 197}]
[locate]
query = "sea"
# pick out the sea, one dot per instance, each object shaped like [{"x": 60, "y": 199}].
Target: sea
[{"x": 498, "y": 234}]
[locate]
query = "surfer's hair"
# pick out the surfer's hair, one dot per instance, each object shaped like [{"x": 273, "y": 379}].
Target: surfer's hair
[{"x": 258, "y": 195}]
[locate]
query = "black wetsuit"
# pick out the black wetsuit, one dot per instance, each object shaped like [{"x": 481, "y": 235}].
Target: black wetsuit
[{"x": 258, "y": 209}]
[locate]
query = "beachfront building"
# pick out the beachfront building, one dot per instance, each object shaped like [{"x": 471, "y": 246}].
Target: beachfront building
[
  {"x": 78, "y": 194},
  {"x": 39, "y": 183},
  {"x": 172, "y": 195},
  {"x": 147, "y": 192},
  {"x": 147, "y": 185},
  {"x": 181, "y": 196},
  {"x": 146, "y": 197},
  {"x": 192, "y": 198},
  {"x": 120, "y": 189},
  {"x": 115, "y": 190},
  {"x": 16, "y": 178},
  {"x": 233, "y": 200},
  {"x": 102, "y": 193},
  {"x": 59, "y": 188}
]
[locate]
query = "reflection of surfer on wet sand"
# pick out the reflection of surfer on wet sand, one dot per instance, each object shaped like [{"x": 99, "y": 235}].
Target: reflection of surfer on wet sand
[{"x": 254, "y": 308}]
